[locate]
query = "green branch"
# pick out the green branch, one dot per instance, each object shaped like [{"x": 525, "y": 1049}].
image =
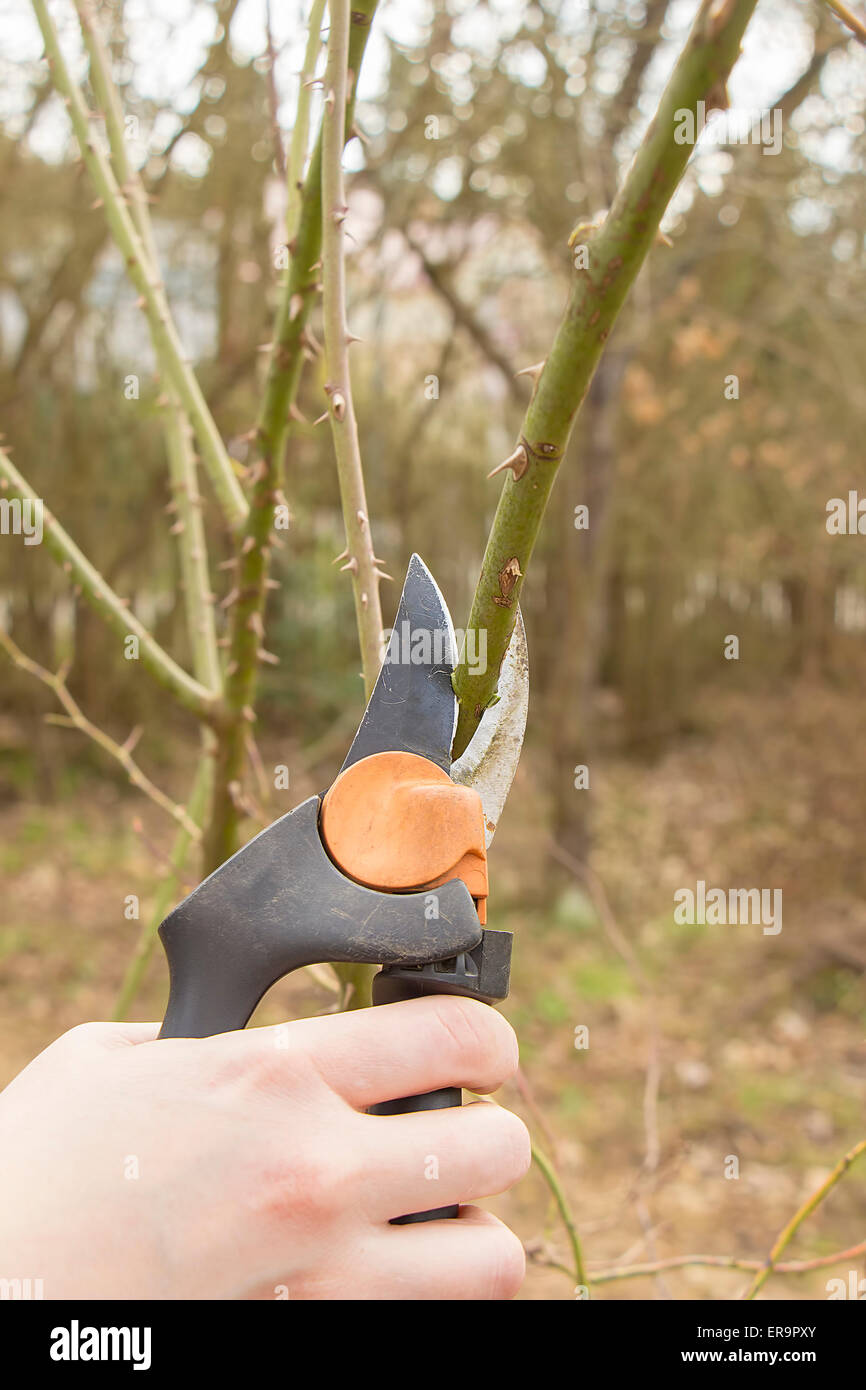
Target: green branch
[
  {"x": 246, "y": 601},
  {"x": 166, "y": 343},
  {"x": 189, "y": 528},
  {"x": 301, "y": 128},
  {"x": 616, "y": 251},
  {"x": 189, "y": 692},
  {"x": 551, "y": 1177},
  {"x": 789, "y": 1231}
]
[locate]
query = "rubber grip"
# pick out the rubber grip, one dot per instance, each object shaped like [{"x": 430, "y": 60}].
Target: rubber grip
[{"x": 387, "y": 991}]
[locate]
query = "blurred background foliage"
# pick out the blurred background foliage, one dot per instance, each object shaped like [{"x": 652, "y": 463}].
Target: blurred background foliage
[{"x": 488, "y": 132}]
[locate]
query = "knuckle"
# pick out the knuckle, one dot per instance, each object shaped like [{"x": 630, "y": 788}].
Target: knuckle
[
  {"x": 266, "y": 1066},
  {"x": 467, "y": 1026},
  {"x": 309, "y": 1189}
]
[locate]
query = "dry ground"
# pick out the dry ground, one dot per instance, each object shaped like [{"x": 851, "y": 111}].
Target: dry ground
[{"x": 757, "y": 1040}]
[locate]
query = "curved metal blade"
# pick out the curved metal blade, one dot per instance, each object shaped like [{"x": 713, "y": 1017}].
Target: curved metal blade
[
  {"x": 413, "y": 708},
  {"x": 490, "y": 761}
]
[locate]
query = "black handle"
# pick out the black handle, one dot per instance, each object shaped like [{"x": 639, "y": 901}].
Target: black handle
[
  {"x": 391, "y": 989},
  {"x": 279, "y": 904}
]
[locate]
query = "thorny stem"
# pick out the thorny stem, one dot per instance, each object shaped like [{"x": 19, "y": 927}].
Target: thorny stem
[
  {"x": 360, "y": 556},
  {"x": 189, "y": 692},
  {"x": 166, "y": 343},
  {"x": 789, "y": 1231},
  {"x": 247, "y": 599},
  {"x": 616, "y": 251},
  {"x": 189, "y": 527}
]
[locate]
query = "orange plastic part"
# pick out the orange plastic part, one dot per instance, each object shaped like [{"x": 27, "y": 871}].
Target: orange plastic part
[{"x": 396, "y": 822}]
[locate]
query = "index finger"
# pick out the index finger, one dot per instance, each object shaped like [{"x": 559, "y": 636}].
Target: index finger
[{"x": 405, "y": 1049}]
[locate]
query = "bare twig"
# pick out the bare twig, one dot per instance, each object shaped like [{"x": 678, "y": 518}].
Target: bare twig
[
  {"x": 56, "y": 682},
  {"x": 849, "y": 19},
  {"x": 604, "y": 1274},
  {"x": 789, "y": 1231},
  {"x": 196, "y": 809}
]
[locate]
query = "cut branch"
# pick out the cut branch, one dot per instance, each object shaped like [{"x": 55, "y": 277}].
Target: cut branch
[{"x": 616, "y": 251}]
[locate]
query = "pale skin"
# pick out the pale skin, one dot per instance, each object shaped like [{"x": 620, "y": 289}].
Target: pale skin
[{"x": 245, "y": 1166}]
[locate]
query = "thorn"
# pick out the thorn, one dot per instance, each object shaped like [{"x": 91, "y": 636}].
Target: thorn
[
  {"x": 268, "y": 657},
  {"x": 382, "y": 575},
  {"x": 265, "y": 347},
  {"x": 518, "y": 463},
  {"x": 231, "y": 669},
  {"x": 249, "y": 714},
  {"x": 351, "y": 564},
  {"x": 342, "y": 556},
  {"x": 231, "y": 598},
  {"x": 177, "y": 529},
  {"x": 352, "y": 338},
  {"x": 308, "y": 339},
  {"x": 321, "y": 418},
  {"x": 534, "y": 371},
  {"x": 140, "y": 302},
  {"x": 254, "y": 624},
  {"x": 662, "y": 239},
  {"x": 329, "y": 100},
  {"x": 134, "y": 736},
  {"x": 317, "y": 265},
  {"x": 97, "y": 204},
  {"x": 339, "y": 215},
  {"x": 273, "y": 584},
  {"x": 364, "y": 600},
  {"x": 361, "y": 519},
  {"x": 296, "y": 414},
  {"x": 228, "y": 564},
  {"x": 248, "y": 545},
  {"x": 296, "y": 305},
  {"x": 224, "y": 642}
]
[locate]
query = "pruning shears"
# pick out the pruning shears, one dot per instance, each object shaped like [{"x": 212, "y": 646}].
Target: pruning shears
[{"x": 388, "y": 867}]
